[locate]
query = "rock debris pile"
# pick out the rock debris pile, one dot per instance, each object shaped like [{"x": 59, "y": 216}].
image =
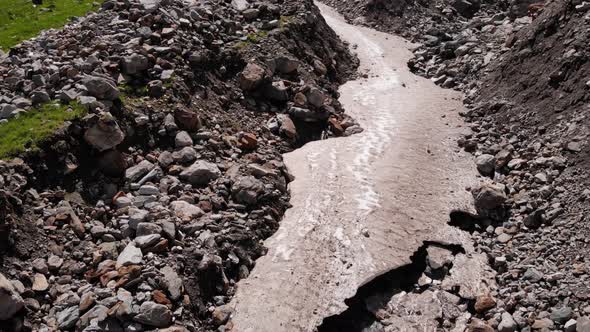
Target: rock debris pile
[{"x": 145, "y": 213}]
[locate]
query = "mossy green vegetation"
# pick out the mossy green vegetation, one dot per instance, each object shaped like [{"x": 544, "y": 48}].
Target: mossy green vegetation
[
  {"x": 30, "y": 129},
  {"x": 21, "y": 20}
]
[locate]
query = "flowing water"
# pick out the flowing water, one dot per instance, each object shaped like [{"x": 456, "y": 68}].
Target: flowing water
[{"x": 362, "y": 205}]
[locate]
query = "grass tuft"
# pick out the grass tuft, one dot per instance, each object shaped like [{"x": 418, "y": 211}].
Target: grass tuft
[
  {"x": 21, "y": 20},
  {"x": 30, "y": 129}
]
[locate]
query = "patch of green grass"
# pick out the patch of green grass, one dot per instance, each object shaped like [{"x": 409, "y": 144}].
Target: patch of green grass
[
  {"x": 21, "y": 20},
  {"x": 284, "y": 21},
  {"x": 30, "y": 129},
  {"x": 251, "y": 38}
]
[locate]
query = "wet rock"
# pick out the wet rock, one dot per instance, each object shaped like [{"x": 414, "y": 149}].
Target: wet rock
[
  {"x": 105, "y": 134},
  {"x": 247, "y": 189},
  {"x": 200, "y": 173},
  {"x": 153, "y": 314},
  {"x": 10, "y": 301}
]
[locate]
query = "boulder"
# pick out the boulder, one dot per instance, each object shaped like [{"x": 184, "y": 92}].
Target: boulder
[
  {"x": 251, "y": 77},
  {"x": 486, "y": 164},
  {"x": 185, "y": 210},
  {"x": 246, "y": 190},
  {"x": 286, "y": 65},
  {"x": 154, "y": 314},
  {"x": 105, "y": 134},
  {"x": 136, "y": 172},
  {"x": 134, "y": 64},
  {"x": 10, "y": 301},
  {"x": 200, "y": 173},
  {"x": 101, "y": 88}
]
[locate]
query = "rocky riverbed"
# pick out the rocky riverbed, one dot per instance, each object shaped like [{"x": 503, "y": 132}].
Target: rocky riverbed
[
  {"x": 145, "y": 212},
  {"x": 523, "y": 68}
]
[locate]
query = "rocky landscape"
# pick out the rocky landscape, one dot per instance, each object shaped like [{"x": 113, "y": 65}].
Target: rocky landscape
[
  {"x": 523, "y": 68},
  {"x": 145, "y": 211}
]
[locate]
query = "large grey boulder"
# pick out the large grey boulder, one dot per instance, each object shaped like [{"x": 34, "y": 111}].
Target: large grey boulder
[
  {"x": 200, "y": 173},
  {"x": 153, "y": 314},
  {"x": 10, "y": 301},
  {"x": 101, "y": 88}
]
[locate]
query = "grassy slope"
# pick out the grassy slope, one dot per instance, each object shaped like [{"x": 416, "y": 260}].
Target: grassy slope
[
  {"x": 30, "y": 129},
  {"x": 21, "y": 20}
]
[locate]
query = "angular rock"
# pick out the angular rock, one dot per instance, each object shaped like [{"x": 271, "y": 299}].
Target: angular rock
[
  {"x": 131, "y": 255},
  {"x": 153, "y": 314},
  {"x": 101, "y": 88},
  {"x": 251, "y": 77},
  {"x": 185, "y": 210},
  {"x": 10, "y": 301},
  {"x": 200, "y": 173},
  {"x": 172, "y": 282},
  {"x": 246, "y": 190},
  {"x": 67, "y": 318},
  {"x": 105, "y": 134}
]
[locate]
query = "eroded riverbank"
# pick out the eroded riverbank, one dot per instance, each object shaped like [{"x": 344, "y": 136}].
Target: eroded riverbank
[{"x": 364, "y": 205}]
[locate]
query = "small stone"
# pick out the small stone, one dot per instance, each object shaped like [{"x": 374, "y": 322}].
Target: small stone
[
  {"x": 183, "y": 139},
  {"x": 246, "y": 190},
  {"x": 172, "y": 282},
  {"x": 533, "y": 275},
  {"x": 507, "y": 324},
  {"x": 40, "y": 265},
  {"x": 251, "y": 77},
  {"x": 185, "y": 210},
  {"x": 484, "y": 303},
  {"x": 54, "y": 262},
  {"x": 131, "y": 255},
  {"x": 221, "y": 314},
  {"x": 570, "y": 325},
  {"x": 40, "y": 283}
]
